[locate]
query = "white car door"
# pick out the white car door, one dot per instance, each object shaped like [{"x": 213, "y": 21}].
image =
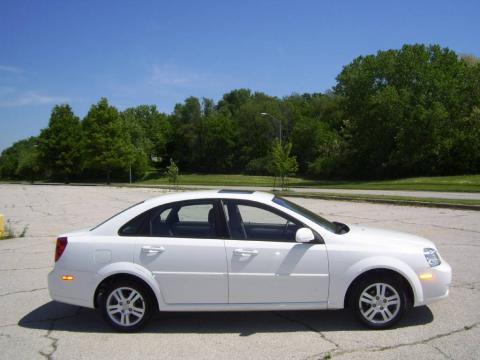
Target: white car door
[
  {"x": 265, "y": 264},
  {"x": 186, "y": 253}
]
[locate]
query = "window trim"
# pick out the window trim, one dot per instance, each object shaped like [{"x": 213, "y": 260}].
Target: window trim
[
  {"x": 222, "y": 229},
  {"x": 147, "y": 219},
  {"x": 318, "y": 239}
]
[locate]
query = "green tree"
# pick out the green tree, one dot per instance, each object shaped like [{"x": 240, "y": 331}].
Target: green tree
[
  {"x": 59, "y": 144},
  {"x": 20, "y": 161},
  {"x": 106, "y": 145},
  {"x": 284, "y": 164},
  {"x": 187, "y": 133},
  {"x": 315, "y": 135},
  {"x": 219, "y": 142},
  {"x": 327, "y": 147},
  {"x": 28, "y": 164},
  {"x": 148, "y": 130},
  {"x": 234, "y": 100},
  {"x": 172, "y": 172},
  {"x": 9, "y": 160},
  {"x": 401, "y": 109},
  {"x": 255, "y": 131},
  {"x": 470, "y": 59}
]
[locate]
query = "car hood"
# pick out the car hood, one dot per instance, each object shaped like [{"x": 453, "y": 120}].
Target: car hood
[{"x": 388, "y": 238}]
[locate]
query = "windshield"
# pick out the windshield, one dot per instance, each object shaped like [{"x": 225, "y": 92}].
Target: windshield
[{"x": 317, "y": 219}]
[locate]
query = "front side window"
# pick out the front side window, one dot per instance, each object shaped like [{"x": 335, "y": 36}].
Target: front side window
[{"x": 251, "y": 221}]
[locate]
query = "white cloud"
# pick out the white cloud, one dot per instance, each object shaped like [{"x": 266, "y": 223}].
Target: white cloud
[
  {"x": 29, "y": 98},
  {"x": 11, "y": 69},
  {"x": 171, "y": 75},
  {"x": 6, "y": 90}
]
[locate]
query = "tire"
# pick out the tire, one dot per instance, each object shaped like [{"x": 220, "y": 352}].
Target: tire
[
  {"x": 126, "y": 305},
  {"x": 380, "y": 302}
]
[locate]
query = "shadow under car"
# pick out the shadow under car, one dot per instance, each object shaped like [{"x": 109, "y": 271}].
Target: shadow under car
[{"x": 63, "y": 317}]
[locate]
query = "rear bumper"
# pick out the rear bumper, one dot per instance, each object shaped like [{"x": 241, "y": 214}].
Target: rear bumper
[
  {"x": 437, "y": 287},
  {"x": 75, "y": 292}
]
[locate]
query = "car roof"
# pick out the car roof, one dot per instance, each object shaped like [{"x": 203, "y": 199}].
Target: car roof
[
  {"x": 211, "y": 194},
  {"x": 112, "y": 224}
]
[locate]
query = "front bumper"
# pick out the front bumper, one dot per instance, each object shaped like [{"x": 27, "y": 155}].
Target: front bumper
[{"x": 437, "y": 287}]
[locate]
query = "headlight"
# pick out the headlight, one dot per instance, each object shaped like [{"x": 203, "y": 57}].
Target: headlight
[{"x": 432, "y": 257}]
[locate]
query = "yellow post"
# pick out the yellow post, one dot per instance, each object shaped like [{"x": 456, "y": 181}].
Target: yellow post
[{"x": 2, "y": 225}]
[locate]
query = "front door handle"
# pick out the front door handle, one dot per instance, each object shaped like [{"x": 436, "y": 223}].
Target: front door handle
[
  {"x": 152, "y": 249},
  {"x": 245, "y": 252}
]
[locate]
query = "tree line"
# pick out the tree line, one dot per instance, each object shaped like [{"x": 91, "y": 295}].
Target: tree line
[{"x": 406, "y": 112}]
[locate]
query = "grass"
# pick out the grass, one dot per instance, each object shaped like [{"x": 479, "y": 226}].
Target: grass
[
  {"x": 460, "y": 183},
  {"x": 10, "y": 233},
  {"x": 219, "y": 179}
]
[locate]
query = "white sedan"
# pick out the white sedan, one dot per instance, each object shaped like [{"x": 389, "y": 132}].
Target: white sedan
[{"x": 241, "y": 251}]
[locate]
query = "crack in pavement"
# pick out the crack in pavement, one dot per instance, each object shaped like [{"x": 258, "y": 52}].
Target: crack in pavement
[
  {"x": 437, "y": 226},
  {"x": 37, "y": 252},
  {"x": 338, "y": 351},
  {"x": 406, "y": 222},
  {"x": 469, "y": 285},
  {"x": 440, "y": 351},
  {"x": 26, "y": 246},
  {"x": 8, "y": 325},
  {"x": 53, "y": 345},
  {"x": 6, "y": 336},
  {"x": 54, "y": 319},
  {"x": 30, "y": 268},
  {"x": 308, "y": 327},
  {"x": 27, "y": 268},
  {"x": 22, "y": 291},
  {"x": 461, "y": 244},
  {"x": 54, "y": 340}
]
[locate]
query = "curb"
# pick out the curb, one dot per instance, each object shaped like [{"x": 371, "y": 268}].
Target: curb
[{"x": 320, "y": 196}]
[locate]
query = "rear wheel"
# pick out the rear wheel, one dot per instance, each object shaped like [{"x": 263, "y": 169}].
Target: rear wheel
[
  {"x": 380, "y": 303},
  {"x": 126, "y": 305}
]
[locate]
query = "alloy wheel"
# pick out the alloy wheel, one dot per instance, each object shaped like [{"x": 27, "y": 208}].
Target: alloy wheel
[
  {"x": 379, "y": 303},
  {"x": 125, "y": 306}
]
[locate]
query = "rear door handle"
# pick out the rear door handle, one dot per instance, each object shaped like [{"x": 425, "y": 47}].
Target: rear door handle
[
  {"x": 245, "y": 252},
  {"x": 152, "y": 249}
]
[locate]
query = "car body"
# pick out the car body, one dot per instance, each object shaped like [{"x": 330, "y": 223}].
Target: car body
[{"x": 241, "y": 250}]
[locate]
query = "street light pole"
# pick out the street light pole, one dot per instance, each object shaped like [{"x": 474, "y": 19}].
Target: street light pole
[{"x": 279, "y": 125}]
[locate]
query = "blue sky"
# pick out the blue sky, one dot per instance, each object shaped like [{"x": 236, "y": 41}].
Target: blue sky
[{"x": 160, "y": 52}]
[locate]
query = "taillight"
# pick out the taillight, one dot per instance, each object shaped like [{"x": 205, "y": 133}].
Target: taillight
[{"x": 61, "y": 246}]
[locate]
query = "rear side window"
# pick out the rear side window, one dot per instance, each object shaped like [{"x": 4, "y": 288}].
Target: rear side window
[
  {"x": 138, "y": 226},
  {"x": 196, "y": 212},
  {"x": 189, "y": 219}
]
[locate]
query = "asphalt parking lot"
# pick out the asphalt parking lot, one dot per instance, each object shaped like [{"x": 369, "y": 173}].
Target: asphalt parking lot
[{"x": 32, "y": 326}]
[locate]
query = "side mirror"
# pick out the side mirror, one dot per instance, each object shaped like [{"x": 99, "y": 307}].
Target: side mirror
[{"x": 304, "y": 235}]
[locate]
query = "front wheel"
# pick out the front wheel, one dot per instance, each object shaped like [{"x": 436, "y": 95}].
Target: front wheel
[
  {"x": 380, "y": 303},
  {"x": 126, "y": 306}
]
